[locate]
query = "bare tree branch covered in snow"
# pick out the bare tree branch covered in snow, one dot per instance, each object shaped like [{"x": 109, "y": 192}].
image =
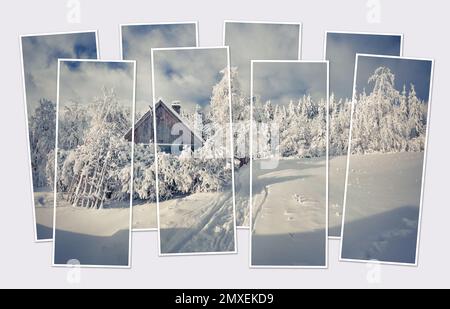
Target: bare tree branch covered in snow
[{"x": 95, "y": 166}]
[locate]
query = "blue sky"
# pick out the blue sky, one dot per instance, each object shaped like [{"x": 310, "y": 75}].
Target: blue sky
[
  {"x": 406, "y": 71},
  {"x": 137, "y": 42},
  {"x": 40, "y": 59},
  {"x": 188, "y": 75},
  {"x": 259, "y": 41},
  {"x": 282, "y": 82},
  {"x": 341, "y": 52},
  {"x": 82, "y": 81}
]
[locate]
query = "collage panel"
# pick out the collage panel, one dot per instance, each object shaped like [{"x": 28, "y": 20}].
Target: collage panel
[
  {"x": 252, "y": 40},
  {"x": 137, "y": 40},
  {"x": 40, "y": 55},
  {"x": 340, "y": 50},
  {"x": 93, "y": 164},
  {"x": 195, "y": 164},
  {"x": 387, "y": 158},
  {"x": 289, "y": 171}
]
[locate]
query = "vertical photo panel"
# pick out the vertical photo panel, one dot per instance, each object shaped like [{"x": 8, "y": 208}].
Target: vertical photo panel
[
  {"x": 340, "y": 50},
  {"x": 93, "y": 170},
  {"x": 137, "y": 40},
  {"x": 386, "y": 162},
  {"x": 289, "y": 164},
  {"x": 40, "y": 55},
  {"x": 194, "y": 163},
  {"x": 252, "y": 41}
]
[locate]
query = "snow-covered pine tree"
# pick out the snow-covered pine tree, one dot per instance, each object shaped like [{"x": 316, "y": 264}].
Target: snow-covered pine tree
[
  {"x": 42, "y": 140},
  {"x": 240, "y": 116},
  {"x": 220, "y": 101},
  {"x": 415, "y": 114},
  {"x": 401, "y": 120},
  {"x": 319, "y": 131}
]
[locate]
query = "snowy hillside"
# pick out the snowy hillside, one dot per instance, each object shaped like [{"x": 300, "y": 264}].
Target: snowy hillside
[
  {"x": 337, "y": 170},
  {"x": 43, "y": 201},
  {"x": 289, "y": 214},
  {"x": 145, "y": 216},
  {"x": 382, "y": 209},
  {"x": 242, "y": 196},
  {"x": 88, "y": 235},
  {"x": 199, "y": 223}
]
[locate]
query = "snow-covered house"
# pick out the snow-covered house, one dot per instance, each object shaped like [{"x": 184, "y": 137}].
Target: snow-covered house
[{"x": 166, "y": 118}]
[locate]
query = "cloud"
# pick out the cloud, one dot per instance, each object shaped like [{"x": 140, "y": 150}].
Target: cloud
[
  {"x": 137, "y": 42},
  {"x": 188, "y": 75},
  {"x": 82, "y": 82},
  {"x": 283, "y": 82},
  {"x": 260, "y": 41},
  {"x": 40, "y": 59},
  {"x": 341, "y": 52},
  {"x": 406, "y": 71}
]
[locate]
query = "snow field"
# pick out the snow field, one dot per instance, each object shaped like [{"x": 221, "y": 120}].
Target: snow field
[
  {"x": 289, "y": 214},
  {"x": 382, "y": 209},
  {"x": 202, "y": 222}
]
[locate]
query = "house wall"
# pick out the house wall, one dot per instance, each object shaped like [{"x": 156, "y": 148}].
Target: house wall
[
  {"x": 165, "y": 121},
  {"x": 143, "y": 134}
]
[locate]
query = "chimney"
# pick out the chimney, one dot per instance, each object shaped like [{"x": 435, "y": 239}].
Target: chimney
[{"x": 176, "y": 106}]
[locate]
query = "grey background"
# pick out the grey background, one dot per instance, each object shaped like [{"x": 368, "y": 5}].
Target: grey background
[{"x": 24, "y": 263}]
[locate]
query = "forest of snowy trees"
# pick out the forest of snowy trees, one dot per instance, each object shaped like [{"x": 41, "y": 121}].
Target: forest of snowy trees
[
  {"x": 94, "y": 159},
  {"x": 301, "y": 128},
  {"x": 387, "y": 120}
]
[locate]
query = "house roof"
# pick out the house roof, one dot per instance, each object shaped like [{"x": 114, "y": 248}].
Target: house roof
[{"x": 172, "y": 111}]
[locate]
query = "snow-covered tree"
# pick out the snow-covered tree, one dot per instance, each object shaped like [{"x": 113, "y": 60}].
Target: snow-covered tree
[
  {"x": 384, "y": 81},
  {"x": 220, "y": 101},
  {"x": 416, "y": 117},
  {"x": 387, "y": 120},
  {"x": 42, "y": 140},
  {"x": 97, "y": 169},
  {"x": 73, "y": 122},
  {"x": 339, "y": 117},
  {"x": 301, "y": 128}
]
